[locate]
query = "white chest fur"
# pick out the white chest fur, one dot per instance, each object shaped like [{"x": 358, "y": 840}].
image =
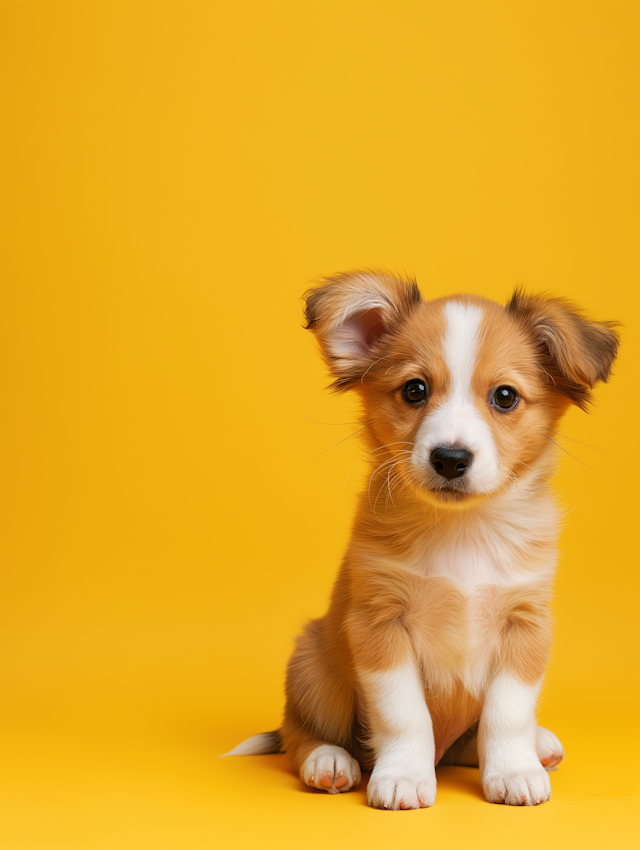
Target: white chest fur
[
  {"x": 503, "y": 544},
  {"x": 491, "y": 565}
]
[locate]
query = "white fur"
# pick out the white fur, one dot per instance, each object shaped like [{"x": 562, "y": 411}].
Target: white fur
[
  {"x": 457, "y": 421},
  {"x": 460, "y": 343},
  {"x": 493, "y": 543},
  {"x": 550, "y": 750},
  {"x": 491, "y": 546},
  {"x": 402, "y": 739},
  {"x": 328, "y": 765},
  {"x": 510, "y": 769}
]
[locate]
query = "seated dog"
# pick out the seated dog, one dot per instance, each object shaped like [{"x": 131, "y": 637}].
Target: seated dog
[{"x": 438, "y": 633}]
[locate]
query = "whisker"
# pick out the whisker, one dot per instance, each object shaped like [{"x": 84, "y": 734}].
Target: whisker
[
  {"x": 330, "y": 423},
  {"x": 410, "y": 479},
  {"x": 397, "y": 477},
  {"x": 569, "y": 453},
  {"x": 389, "y": 496},
  {"x": 505, "y": 354},
  {"x": 533, "y": 470},
  {"x": 549, "y": 376},
  {"x": 391, "y": 452},
  {"x": 373, "y": 475},
  {"x": 342, "y": 441},
  {"x": 386, "y": 357},
  {"x": 396, "y": 443},
  {"x": 376, "y": 501},
  {"x": 349, "y": 476},
  {"x": 389, "y": 485},
  {"x": 576, "y": 441},
  {"x": 522, "y": 463},
  {"x": 505, "y": 486},
  {"x": 515, "y": 481},
  {"x": 396, "y": 367},
  {"x": 391, "y": 463}
]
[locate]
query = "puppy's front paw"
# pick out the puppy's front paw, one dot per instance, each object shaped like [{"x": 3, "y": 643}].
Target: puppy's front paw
[
  {"x": 330, "y": 768},
  {"x": 401, "y": 792},
  {"x": 524, "y": 788}
]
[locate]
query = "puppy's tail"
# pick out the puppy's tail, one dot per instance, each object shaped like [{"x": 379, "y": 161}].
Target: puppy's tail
[{"x": 258, "y": 745}]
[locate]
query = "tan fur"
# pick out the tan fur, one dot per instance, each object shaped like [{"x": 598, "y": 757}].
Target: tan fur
[
  {"x": 391, "y": 601},
  {"x": 577, "y": 351},
  {"x": 383, "y": 616},
  {"x": 524, "y": 623}
]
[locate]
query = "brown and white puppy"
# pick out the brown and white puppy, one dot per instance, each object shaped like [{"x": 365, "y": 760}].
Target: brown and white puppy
[{"x": 438, "y": 632}]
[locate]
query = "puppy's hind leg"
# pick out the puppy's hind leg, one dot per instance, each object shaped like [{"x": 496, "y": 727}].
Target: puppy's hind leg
[
  {"x": 464, "y": 751},
  {"x": 317, "y": 733},
  {"x": 550, "y": 750}
]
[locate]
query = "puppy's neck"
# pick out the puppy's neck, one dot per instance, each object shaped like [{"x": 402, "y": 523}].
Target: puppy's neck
[{"x": 516, "y": 529}]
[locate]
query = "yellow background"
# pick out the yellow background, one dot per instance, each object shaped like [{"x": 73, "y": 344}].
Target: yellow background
[{"x": 174, "y": 176}]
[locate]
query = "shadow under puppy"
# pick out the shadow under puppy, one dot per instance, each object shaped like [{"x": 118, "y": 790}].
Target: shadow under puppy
[{"x": 438, "y": 632}]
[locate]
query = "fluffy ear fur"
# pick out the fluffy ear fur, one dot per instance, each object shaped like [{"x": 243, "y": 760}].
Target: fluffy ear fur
[
  {"x": 576, "y": 352},
  {"x": 351, "y": 314}
]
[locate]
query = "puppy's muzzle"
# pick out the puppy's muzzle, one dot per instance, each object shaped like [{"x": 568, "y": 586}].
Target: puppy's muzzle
[{"x": 450, "y": 463}]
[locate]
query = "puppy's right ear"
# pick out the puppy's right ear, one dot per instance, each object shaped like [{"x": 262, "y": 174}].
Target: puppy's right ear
[{"x": 351, "y": 314}]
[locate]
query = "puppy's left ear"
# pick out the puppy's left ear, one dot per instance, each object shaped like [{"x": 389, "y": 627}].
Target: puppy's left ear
[
  {"x": 575, "y": 351},
  {"x": 352, "y": 314}
]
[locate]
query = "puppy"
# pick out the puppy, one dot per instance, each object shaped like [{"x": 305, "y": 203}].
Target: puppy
[{"x": 438, "y": 632}]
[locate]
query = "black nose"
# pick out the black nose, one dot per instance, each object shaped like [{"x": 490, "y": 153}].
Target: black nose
[{"x": 450, "y": 463}]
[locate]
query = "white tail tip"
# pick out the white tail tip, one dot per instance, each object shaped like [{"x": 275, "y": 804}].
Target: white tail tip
[{"x": 258, "y": 745}]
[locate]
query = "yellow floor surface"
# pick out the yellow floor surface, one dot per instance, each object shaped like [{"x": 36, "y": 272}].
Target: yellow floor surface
[{"x": 167, "y": 788}]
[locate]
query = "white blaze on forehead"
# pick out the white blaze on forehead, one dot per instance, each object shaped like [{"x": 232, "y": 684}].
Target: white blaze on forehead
[
  {"x": 460, "y": 344},
  {"x": 457, "y": 421}
]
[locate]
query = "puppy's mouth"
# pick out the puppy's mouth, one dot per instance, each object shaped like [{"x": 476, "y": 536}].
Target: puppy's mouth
[
  {"x": 451, "y": 494},
  {"x": 448, "y": 493}
]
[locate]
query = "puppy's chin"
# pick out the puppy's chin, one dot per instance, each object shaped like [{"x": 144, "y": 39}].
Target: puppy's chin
[
  {"x": 459, "y": 498},
  {"x": 451, "y": 499}
]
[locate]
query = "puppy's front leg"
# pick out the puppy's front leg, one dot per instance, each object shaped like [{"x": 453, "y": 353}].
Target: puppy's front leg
[
  {"x": 401, "y": 735},
  {"x": 510, "y": 769}
]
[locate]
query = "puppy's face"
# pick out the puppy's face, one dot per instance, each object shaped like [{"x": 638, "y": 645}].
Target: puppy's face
[
  {"x": 461, "y": 395},
  {"x": 458, "y": 403}
]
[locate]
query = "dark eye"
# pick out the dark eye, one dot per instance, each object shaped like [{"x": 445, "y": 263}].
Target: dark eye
[
  {"x": 505, "y": 398},
  {"x": 415, "y": 391}
]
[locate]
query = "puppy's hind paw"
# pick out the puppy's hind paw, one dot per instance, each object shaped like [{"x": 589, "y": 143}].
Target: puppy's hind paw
[
  {"x": 330, "y": 768},
  {"x": 550, "y": 750}
]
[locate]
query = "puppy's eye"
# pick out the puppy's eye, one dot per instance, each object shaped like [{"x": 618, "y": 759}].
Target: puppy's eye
[
  {"x": 505, "y": 398},
  {"x": 415, "y": 391}
]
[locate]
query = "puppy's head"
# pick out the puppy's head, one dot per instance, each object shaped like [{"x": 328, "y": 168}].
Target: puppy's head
[{"x": 460, "y": 394}]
